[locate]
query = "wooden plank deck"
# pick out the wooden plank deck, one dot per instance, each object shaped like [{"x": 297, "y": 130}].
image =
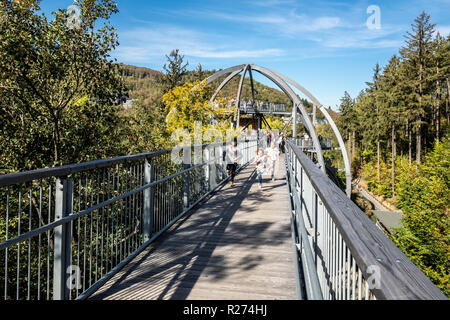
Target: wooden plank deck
[{"x": 236, "y": 245}]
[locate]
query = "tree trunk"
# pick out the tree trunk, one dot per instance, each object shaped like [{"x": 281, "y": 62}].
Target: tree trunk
[
  {"x": 438, "y": 121},
  {"x": 349, "y": 145},
  {"x": 394, "y": 155},
  {"x": 409, "y": 143},
  {"x": 419, "y": 126},
  {"x": 447, "y": 113},
  {"x": 378, "y": 158},
  {"x": 353, "y": 143},
  {"x": 438, "y": 107},
  {"x": 56, "y": 139},
  {"x": 55, "y": 143},
  {"x": 418, "y": 142}
]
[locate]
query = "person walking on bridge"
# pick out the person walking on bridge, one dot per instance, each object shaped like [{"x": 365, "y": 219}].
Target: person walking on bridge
[
  {"x": 272, "y": 153},
  {"x": 232, "y": 159},
  {"x": 260, "y": 161}
]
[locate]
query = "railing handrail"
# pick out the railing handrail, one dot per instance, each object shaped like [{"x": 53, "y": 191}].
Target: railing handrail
[
  {"x": 400, "y": 277},
  {"x": 65, "y": 170},
  {"x": 121, "y": 213},
  {"x": 74, "y": 214}
]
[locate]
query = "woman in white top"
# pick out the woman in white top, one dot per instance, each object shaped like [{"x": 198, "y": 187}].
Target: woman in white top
[
  {"x": 272, "y": 153},
  {"x": 232, "y": 159}
]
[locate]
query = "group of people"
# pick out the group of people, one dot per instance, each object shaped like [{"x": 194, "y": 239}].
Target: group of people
[{"x": 265, "y": 160}]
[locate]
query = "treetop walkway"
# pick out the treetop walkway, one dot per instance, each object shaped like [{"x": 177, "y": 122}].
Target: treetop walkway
[
  {"x": 144, "y": 227},
  {"x": 159, "y": 226},
  {"x": 236, "y": 245}
]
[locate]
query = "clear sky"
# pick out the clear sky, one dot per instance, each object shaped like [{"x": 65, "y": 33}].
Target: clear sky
[{"x": 326, "y": 46}]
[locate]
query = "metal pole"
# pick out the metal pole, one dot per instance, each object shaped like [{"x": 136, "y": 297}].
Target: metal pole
[
  {"x": 63, "y": 238},
  {"x": 186, "y": 188},
  {"x": 148, "y": 199},
  {"x": 207, "y": 168},
  {"x": 294, "y": 120}
]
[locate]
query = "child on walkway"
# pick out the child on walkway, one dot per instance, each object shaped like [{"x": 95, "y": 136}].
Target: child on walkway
[{"x": 260, "y": 165}]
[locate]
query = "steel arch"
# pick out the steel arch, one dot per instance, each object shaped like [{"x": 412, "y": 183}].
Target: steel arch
[
  {"x": 286, "y": 89},
  {"x": 348, "y": 175},
  {"x": 282, "y": 82}
]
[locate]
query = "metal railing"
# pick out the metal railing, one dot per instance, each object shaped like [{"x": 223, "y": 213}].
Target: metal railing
[
  {"x": 262, "y": 107},
  {"x": 341, "y": 253},
  {"x": 65, "y": 231},
  {"x": 325, "y": 143}
]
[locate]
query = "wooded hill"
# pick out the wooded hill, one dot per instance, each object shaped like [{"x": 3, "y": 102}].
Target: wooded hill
[{"x": 142, "y": 83}]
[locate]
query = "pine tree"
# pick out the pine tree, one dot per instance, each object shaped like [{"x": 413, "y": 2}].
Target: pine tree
[
  {"x": 441, "y": 63},
  {"x": 418, "y": 55},
  {"x": 174, "y": 71},
  {"x": 391, "y": 108},
  {"x": 347, "y": 118},
  {"x": 374, "y": 90}
]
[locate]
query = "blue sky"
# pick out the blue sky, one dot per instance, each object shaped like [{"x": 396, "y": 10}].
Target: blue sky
[{"x": 326, "y": 46}]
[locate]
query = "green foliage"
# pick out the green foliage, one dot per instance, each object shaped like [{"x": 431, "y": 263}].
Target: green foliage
[
  {"x": 380, "y": 186},
  {"x": 58, "y": 89},
  {"x": 190, "y": 103},
  {"x": 423, "y": 194},
  {"x": 143, "y": 134},
  {"x": 275, "y": 123},
  {"x": 175, "y": 70},
  {"x": 400, "y": 114},
  {"x": 57, "y": 86},
  {"x": 426, "y": 187}
]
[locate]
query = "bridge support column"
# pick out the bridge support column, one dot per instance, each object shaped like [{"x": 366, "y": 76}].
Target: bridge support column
[
  {"x": 148, "y": 200},
  {"x": 63, "y": 239}
]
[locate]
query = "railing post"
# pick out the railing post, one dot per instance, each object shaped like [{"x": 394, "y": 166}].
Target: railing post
[
  {"x": 214, "y": 172},
  {"x": 63, "y": 239},
  {"x": 186, "y": 184},
  {"x": 148, "y": 199},
  {"x": 207, "y": 169}
]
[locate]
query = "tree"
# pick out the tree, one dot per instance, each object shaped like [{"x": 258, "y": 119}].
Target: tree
[
  {"x": 391, "y": 107},
  {"x": 424, "y": 197},
  {"x": 347, "y": 118},
  {"x": 57, "y": 83},
  {"x": 174, "y": 71},
  {"x": 374, "y": 90},
  {"x": 418, "y": 57},
  {"x": 441, "y": 64},
  {"x": 58, "y": 89},
  {"x": 189, "y": 103},
  {"x": 403, "y": 104}
]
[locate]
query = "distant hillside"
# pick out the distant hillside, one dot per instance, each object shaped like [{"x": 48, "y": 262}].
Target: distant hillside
[
  {"x": 137, "y": 72},
  {"x": 141, "y": 83},
  {"x": 333, "y": 114}
]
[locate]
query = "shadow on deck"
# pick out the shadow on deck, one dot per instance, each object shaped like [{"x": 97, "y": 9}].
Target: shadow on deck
[{"x": 235, "y": 245}]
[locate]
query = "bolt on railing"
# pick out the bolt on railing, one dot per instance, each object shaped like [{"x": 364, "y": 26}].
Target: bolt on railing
[
  {"x": 65, "y": 231},
  {"x": 342, "y": 254}
]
